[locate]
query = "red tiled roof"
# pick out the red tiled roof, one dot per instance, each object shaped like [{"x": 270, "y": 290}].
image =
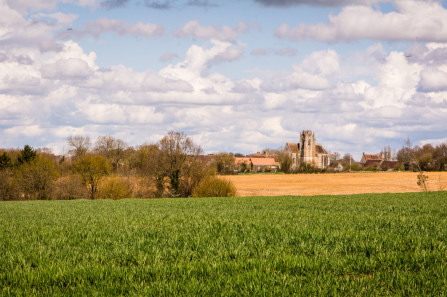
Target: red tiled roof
[
  {"x": 263, "y": 161},
  {"x": 373, "y": 157},
  {"x": 241, "y": 160}
]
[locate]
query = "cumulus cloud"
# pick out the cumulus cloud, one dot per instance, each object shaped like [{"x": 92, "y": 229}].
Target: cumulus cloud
[
  {"x": 16, "y": 31},
  {"x": 433, "y": 80},
  {"x": 66, "y": 69},
  {"x": 224, "y": 33},
  {"x": 198, "y": 59},
  {"x": 372, "y": 96},
  {"x": 413, "y": 20},
  {"x": 156, "y": 83},
  {"x": 313, "y": 73}
]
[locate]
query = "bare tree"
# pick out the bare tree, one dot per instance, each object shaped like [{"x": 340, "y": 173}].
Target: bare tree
[
  {"x": 224, "y": 163},
  {"x": 111, "y": 148},
  {"x": 440, "y": 156},
  {"x": 79, "y": 145},
  {"x": 335, "y": 156},
  {"x": 387, "y": 154},
  {"x": 178, "y": 155}
]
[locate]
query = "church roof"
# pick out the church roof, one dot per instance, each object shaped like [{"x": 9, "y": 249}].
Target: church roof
[
  {"x": 320, "y": 150},
  {"x": 293, "y": 147}
]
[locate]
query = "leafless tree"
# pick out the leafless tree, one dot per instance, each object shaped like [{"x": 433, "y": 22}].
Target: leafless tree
[
  {"x": 79, "y": 145},
  {"x": 111, "y": 148},
  {"x": 387, "y": 154},
  {"x": 178, "y": 156}
]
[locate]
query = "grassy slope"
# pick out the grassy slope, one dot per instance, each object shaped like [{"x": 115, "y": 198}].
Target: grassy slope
[{"x": 387, "y": 244}]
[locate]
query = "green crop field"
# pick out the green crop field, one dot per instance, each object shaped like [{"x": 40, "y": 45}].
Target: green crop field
[{"x": 363, "y": 245}]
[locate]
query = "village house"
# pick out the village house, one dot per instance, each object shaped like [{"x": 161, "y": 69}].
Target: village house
[
  {"x": 307, "y": 151},
  {"x": 256, "y": 164},
  {"x": 371, "y": 160},
  {"x": 377, "y": 160}
]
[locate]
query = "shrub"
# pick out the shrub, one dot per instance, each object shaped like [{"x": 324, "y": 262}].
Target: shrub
[
  {"x": 215, "y": 187},
  {"x": 115, "y": 188},
  {"x": 8, "y": 186},
  {"x": 36, "y": 178},
  {"x": 307, "y": 168},
  {"x": 91, "y": 168},
  {"x": 70, "y": 187}
]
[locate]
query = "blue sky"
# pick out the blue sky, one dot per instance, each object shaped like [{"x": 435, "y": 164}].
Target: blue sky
[{"x": 238, "y": 75}]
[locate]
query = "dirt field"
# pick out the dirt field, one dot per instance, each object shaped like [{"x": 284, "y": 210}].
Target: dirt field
[{"x": 334, "y": 184}]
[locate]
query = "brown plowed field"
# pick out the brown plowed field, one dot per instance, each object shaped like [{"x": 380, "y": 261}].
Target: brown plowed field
[{"x": 334, "y": 183}]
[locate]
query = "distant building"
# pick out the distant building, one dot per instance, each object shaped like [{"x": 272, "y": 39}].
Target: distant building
[
  {"x": 256, "y": 164},
  {"x": 371, "y": 159},
  {"x": 378, "y": 161},
  {"x": 307, "y": 151}
]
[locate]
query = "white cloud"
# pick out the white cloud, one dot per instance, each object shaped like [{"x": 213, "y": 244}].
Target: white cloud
[
  {"x": 155, "y": 83},
  {"x": 313, "y": 73},
  {"x": 323, "y": 63},
  {"x": 66, "y": 69},
  {"x": 198, "y": 59},
  {"x": 433, "y": 80},
  {"x": 28, "y": 131},
  {"x": 413, "y": 20},
  {"x": 371, "y": 96},
  {"x": 17, "y": 32}
]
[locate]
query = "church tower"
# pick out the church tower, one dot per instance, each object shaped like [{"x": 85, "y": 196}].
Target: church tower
[{"x": 307, "y": 147}]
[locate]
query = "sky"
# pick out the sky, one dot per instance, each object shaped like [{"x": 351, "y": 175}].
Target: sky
[{"x": 235, "y": 75}]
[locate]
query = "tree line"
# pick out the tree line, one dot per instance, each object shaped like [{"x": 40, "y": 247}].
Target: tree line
[
  {"x": 425, "y": 158},
  {"x": 173, "y": 167},
  {"x": 109, "y": 168}
]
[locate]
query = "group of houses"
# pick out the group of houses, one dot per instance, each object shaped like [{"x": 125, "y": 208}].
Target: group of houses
[{"x": 306, "y": 151}]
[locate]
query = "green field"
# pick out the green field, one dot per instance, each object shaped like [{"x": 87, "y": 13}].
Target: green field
[{"x": 381, "y": 244}]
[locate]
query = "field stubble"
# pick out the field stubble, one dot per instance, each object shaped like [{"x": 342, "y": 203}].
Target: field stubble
[{"x": 334, "y": 183}]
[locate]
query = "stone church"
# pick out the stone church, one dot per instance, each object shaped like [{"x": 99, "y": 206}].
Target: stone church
[{"x": 307, "y": 151}]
